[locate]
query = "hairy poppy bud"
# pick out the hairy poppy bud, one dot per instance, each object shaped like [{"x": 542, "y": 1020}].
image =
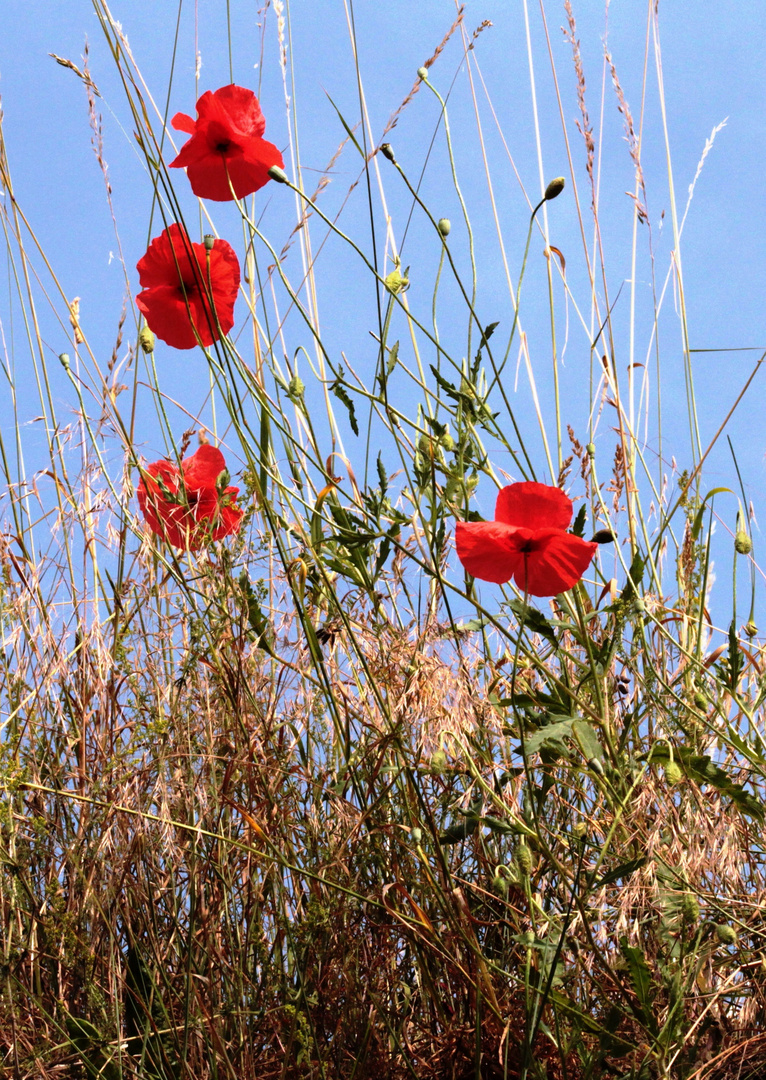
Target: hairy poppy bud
[
  {"x": 422, "y": 72},
  {"x": 396, "y": 282},
  {"x": 438, "y": 762},
  {"x": 700, "y": 701},
  {"x": 500, "y": 884},
  {"x": 416, "y": 835},
  {"x": 64, "y": 358},
  {"x": 673, "y": 773},
  {"x": 580, "y": 830},
  {"x": 591, "y": 448},
  {"x": 726, "y": 934},
  {"x": 295, "y": 389},
  {"x": 208, "y": 240},
  {"x": 603, "y": 536},
  {"x": 387, "y": 151},
  {"x": 555, "y": 188},
  {"x": 444, "y": 226},
  {"x": 743, "y": 545},
  {"x": 278, "y": 174},
  {"x": 146, "y": 339},
  {"x": 523, "y": 859},
  {"x": 690, "y": 908},
  {"x": 528, "y": 938},
  {"x": 750, "y": 628}
]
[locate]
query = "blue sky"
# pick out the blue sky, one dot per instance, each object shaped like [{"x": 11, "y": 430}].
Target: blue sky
[{"x": 714, "y": 70}]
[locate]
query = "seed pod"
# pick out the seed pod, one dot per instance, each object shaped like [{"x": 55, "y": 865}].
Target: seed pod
[
  {"x": 555, "y": 188},
  {"x": 416, "y": 835},
  {"x": 208, "y": 240},
  {"x": 444, "y": 225},
  {"x": 64, "y": 358},
  {"x": 422, "y": 72},
  {"x": 278, "y": 174},
  {"x": 387, "y": 151},
  {"x": 523, "y": 859},
  {"x": 726, "y": 934},
  {"x": 591, "y": 449},
  {"x": 146, "y": 339}
]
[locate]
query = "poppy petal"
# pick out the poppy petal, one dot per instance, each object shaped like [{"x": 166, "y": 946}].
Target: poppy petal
[
  {"x": 533, "y": 506},
  {"x": 182, "y": 122},
  {"x": 556, "y": 563},
  {"x": 204, "y": 467},
  {"x": 489, "y": 550}
]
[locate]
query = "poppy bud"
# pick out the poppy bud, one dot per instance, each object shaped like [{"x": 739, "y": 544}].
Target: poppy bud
[
  {"x": 555, "y": 188},
  {"x": 500, "y": 884},
  {"x": 591, "y": 448},
  {"x": 673, "y": 773},
  {"x": 580, "y": 829},
  {"x": 146, "y": 339},
  {"x": 690, "y": 908},
  {"x": 603, "y": 536},
  {"x": 750, "y": 628},
  {"x": 295, "y": 389},
  {"x": 64, "y": 358},
  {"x": 396, "y": 282},
  {"x": 438, "y": 762},
  {"x": 596, "y": 766},
  {"x": 278, "y": 174},
  {"x": 528, "y": 938},
  {"x": 422, "y": 72},
  {"x": 387, "y": 151},
  {"x": 416, "y": 835},
  {"x": 444, "y": 225},
  {"x": 447, "y": 441},
  {"x": 726, "y": 934},
  {"x": 700, "y": 701},
  {"x": 523, "y": 859},
  {"x": 743, "y": 545}
]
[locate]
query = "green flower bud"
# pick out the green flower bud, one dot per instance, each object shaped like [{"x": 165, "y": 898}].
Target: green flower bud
[
  {"x": 500, "y": 884},
  {"x": 447, "y": 441},
  {"x": 416, "y": 835},
  {"x": 528, "y": 938},
  {"x": 444, "y": 225},
  {"x": 673, "y": 773},
  {"x": 396, "y": 282},
  {"x": 743, "y": 545},
  {"x": 591, "y": 448},
  {"x": 603, "y": 536},
  {"x": 690, "y": 908},
  {"x": 726, "y": 934},
  {"x": 438, "y": 762},
  {"x": 295, "y": 389},
  {"x": 278, "y": 174},
  {"x": 146, "y": 339},
  {"x": 208, "y": 240},
  {"x": 750, "y": 628},
  {"x": 422, "y": 72},
  {"x": 387, "y": 151},
  {"x": 523, "y": 859},
  {"x": 700, "y": 701},
  {"x": 64, "y": 358},
  {"x": 555, "y": 188},
  {"x": 580, "y": 830}
]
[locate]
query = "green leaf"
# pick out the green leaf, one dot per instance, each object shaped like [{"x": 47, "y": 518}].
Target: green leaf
[
  {"x": 533, "y": 619},
  {"x": 585, "y": 737},
  {"x": 260, "y": 627},
  {"x": 349, "y": 132},
  {"x": 578, "y": 526},
  {"x": 623, "y": 871},
  {"x": 460, "y": 830},
  {"x": 641, "y": 978},
  {"x": 551, "y": 735},
  {"x": 339, "y": 389}
]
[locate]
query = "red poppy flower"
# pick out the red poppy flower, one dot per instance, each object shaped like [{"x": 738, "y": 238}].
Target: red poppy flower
[
  {"x": 226, "y": 144},
  {"x": 527, "y": 541},
  {"x": 178, "y": 279},
  {"x": 190, "y": 508}
]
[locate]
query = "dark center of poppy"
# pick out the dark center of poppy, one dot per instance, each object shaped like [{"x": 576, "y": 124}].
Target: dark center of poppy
[
  {"x": 223, "y": 146},
  {"x": 529, "y": 546}
]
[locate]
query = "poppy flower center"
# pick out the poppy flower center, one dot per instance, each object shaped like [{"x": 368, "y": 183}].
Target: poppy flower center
[{"x": 223, "y": 147}]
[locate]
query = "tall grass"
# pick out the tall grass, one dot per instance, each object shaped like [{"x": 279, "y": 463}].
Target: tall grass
[{"x": 311, "y": 802}]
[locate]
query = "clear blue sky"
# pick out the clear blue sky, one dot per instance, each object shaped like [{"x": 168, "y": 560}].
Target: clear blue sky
[{"x": 714, "y": 69}]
